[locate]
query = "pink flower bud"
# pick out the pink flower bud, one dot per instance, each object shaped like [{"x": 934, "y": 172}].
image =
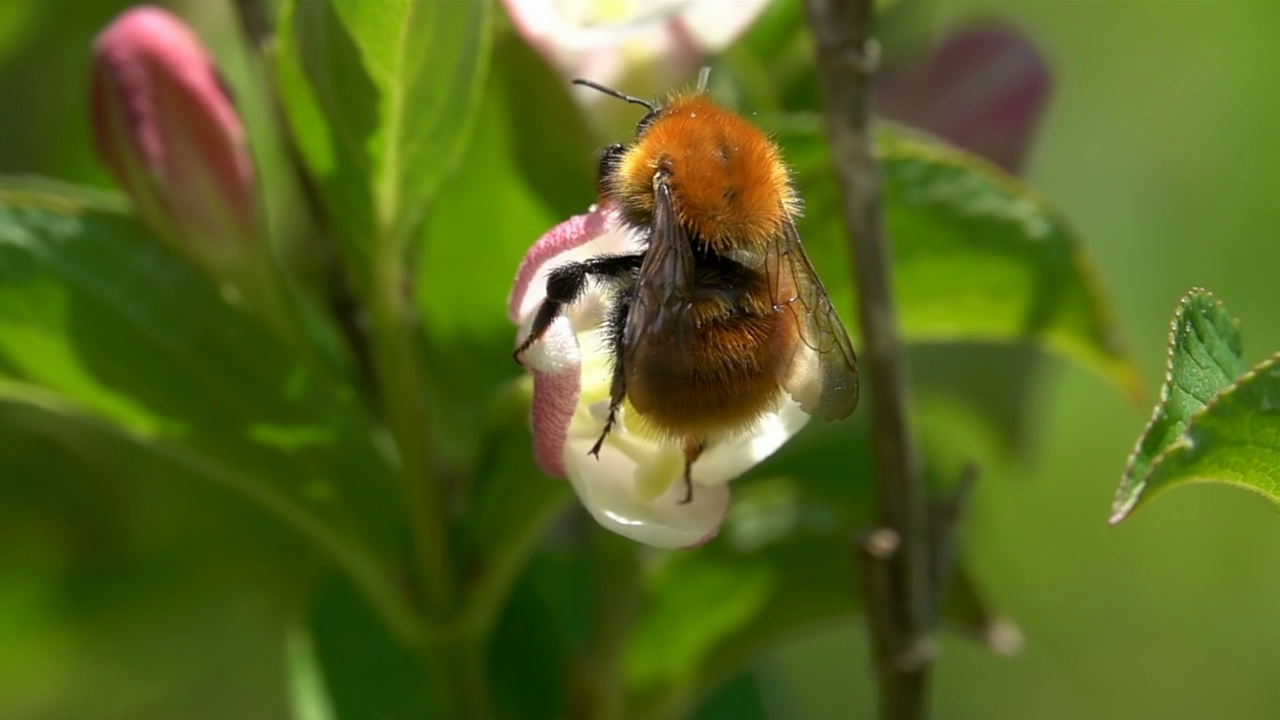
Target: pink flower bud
[
  {"x": 166, "y": 128},
  {"x": 982, "y": 88}
]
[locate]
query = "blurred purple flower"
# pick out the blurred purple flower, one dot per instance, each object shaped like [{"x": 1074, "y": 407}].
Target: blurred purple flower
[
  {"x": 166, "y": 128},
  {"x": 982, "y": 88}
]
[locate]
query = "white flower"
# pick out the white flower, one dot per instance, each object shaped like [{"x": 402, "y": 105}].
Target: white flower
[
  {"x": 636, "y": 486},
  {"x": 646, "y": 46}
]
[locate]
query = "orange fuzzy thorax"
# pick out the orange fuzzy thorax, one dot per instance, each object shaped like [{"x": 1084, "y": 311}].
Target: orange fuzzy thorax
[{"x": 729, "y": 185}]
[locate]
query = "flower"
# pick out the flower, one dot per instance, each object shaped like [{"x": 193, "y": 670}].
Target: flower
[
  {"x": 646, "y": 46},
  {"x": 982, "y": 88},
  {"x": 166, "y": 128},
  {"x": 635, "y": 487}
]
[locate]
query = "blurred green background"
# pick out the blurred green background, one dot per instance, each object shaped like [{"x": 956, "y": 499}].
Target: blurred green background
[{"x": 122, "y": 596}]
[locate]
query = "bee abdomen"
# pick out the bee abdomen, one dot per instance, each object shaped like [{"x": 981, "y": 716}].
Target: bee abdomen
[{"x": 720, "y": 386}]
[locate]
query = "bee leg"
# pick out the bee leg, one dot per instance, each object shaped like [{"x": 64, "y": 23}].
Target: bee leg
[
  {"x": 566, "y": 284},
  {"x": 618, "y": 381},
  {"x": 692, "y": 451}
]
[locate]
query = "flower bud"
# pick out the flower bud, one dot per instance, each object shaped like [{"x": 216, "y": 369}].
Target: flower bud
[{"x": 166, "y": 128}]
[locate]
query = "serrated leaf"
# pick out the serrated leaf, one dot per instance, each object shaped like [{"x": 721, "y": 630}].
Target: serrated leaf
[
  {"x": 1215, "y": 422},
  {"x": 102, "y": 328},
  {"x": 1234, "y": 440},
  {"x": 977, "y": 256},
  {"x": 380, "y": 96}
]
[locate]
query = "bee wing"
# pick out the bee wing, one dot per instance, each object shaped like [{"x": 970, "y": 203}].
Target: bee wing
[
  {"x": 659, "y": 315},
  {"x": 822, "y": 374}
]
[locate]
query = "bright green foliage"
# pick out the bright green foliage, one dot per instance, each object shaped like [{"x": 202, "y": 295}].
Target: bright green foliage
[
  {"x": 381, "y": 96},
  {"x": 977, "y": 255},
  {"x": 103, "y": 329},
  {"x": 1215, "y": 422}
]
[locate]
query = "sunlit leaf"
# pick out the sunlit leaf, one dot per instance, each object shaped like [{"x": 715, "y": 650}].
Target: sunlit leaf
[
  {"x": 103, "y": 328},
  {"x": 1216, "y": 421},
  {"x": 380, "y": 96},
  {"x": 977, "y": 256}
]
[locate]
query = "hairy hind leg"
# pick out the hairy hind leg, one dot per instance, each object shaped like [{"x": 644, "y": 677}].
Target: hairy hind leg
[{"x": 566, "y": 283}]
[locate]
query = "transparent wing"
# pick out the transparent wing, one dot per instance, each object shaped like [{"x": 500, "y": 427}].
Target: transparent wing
[
  {"x": 659, "y": 317},
  {"x": 822, "y": 374}
]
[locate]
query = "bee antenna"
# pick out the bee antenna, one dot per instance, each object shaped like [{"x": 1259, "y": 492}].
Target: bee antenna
[
  {"x": 610, "y": 91},
  {"x": 703, "y": 76}
]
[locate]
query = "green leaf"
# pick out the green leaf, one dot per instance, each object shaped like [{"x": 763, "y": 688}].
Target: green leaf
[
  {"x": 977, "y": 256},
  {"x": 103, "y": 329},
  {"x": 346, "y": 666},
  {"x": 511, "y": 187},
  {"x": 529, "y": 658},
  {"x": 1215, "y": 422},
  {"x": 740, "y": 698},
  {"x": 380, "y": 96}
]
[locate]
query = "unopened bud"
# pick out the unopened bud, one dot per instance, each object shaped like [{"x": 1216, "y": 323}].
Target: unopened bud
[{"x": 166, "y": 128}]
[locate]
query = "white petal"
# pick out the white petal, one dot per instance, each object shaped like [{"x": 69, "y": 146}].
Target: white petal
[
  {"x": 714, "y": 24},
  {"x": 608, "y": 489},
  {"x": 727, "y": 460}
]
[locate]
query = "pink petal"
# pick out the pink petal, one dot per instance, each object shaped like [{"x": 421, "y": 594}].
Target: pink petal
[
  {"x": 578, "y": 230},
  {"x": 557, "y": 383}
]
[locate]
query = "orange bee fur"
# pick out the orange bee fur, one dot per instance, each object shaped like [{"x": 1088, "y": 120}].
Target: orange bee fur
[
  {"x": 737, "y": 195},
  {"x": 721, "y": 314}
]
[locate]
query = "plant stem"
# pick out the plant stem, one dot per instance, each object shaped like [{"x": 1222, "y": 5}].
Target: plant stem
[
  {"x": 596, "y": 691},
  {"x": 453, "y": 660},
  {"x": 398, "y": 368},
  {"x": 901, "y": 604},
  {"x": 492, "y": 587}
]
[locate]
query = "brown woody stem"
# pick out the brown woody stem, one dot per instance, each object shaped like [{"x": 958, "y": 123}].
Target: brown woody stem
[{"x": 896, "y": 556}]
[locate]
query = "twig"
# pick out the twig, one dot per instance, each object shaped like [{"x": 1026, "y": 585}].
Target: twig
[
  {"x": 944, "y": 517},
  {"x": 901, "y": 614}
]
